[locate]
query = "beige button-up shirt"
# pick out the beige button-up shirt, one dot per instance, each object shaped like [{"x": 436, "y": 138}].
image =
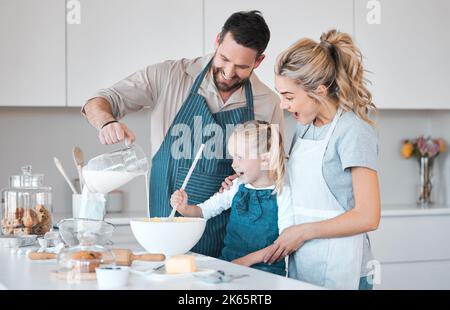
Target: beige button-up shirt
[{"x": 164, "y": 87}]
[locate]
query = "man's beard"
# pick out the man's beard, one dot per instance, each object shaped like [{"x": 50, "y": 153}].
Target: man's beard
[{"x": 224, "y": 87}]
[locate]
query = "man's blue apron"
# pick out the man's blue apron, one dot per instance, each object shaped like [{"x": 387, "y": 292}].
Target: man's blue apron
[{"x": 168, "y": 173}]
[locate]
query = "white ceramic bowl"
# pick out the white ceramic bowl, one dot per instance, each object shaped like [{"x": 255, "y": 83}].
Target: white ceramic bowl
[
  {"x": 168, "y": 237},
  {"x": 112, "y": 277}
]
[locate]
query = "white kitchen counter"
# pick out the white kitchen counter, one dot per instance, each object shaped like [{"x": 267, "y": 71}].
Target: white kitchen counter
[
  {"x": 18, "y": 272},
  {"x": 119, "y": 218},
  {"x": 387, "y": 210}
]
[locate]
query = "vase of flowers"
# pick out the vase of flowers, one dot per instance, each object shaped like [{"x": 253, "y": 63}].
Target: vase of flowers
[{"x": 425, "y": 150}]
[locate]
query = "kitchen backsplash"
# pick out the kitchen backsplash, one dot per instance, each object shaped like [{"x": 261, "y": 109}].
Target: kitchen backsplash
[{"x": 35, "y": 135}]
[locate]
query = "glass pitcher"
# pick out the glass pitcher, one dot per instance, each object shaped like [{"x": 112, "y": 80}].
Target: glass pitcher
[{"x": 109, "y": 171}]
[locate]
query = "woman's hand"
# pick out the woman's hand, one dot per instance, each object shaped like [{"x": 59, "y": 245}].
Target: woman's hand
[
  {"x": 290, "y": 240},
  {"x": 179, "y": 201}
]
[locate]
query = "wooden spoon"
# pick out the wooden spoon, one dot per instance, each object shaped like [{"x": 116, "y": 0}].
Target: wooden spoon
[
  {"x": 124, "y": 257},
  {"x": 78, "y": 158},
  {"x": 61, "y": 170}
]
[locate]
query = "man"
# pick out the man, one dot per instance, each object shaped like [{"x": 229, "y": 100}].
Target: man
[{"x": 219, "y": 89}]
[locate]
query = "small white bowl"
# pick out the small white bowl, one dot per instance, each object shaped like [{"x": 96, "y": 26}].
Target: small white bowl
[{"x": 112, "y": 277}]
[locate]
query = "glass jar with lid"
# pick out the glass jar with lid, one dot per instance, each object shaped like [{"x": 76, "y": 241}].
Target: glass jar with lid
[
  {"x": 26, "y": 205},
  {"x": 86, "y": 239}
]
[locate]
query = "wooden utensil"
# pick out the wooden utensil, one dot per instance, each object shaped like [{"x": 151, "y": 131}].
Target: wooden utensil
[
  {"x": 124, "y": 257},
  {"x": 41, "y": 255},
  {"x": 64, "y": 174},
  {"x": 78, "y": 158}
]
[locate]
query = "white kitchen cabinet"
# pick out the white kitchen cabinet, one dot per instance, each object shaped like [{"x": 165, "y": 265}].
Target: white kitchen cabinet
[
  {"x": 288, "y": 21},
  {"x": 407, "y": 52},
  {"x": 413, "y": 251},
  {"x": 118, "y": 37},
  {"x": 412, "y": 238},
  {"x": 428, "y": 275},
  {"x": 32, "y": 57}
]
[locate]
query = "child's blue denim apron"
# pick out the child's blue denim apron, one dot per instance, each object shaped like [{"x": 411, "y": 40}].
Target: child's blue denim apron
[{"x": 253, "y": 225}]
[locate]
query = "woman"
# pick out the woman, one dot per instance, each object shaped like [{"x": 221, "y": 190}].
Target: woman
[{"x": 332, "y": 193}]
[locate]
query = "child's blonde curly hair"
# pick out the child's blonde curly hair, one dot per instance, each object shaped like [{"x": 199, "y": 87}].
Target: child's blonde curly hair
[{"x": 262, "y": 138}]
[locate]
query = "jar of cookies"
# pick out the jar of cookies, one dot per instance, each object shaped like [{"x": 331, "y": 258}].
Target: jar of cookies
[{"x": 26, "y": 205}]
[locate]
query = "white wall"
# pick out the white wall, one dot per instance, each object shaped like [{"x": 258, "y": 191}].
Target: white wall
[
  {"x": 34, "y": 135},
  {"x": 399, "y": 178}
]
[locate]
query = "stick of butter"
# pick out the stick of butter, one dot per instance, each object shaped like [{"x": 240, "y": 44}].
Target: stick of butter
[{"x": 180, "y": 264}]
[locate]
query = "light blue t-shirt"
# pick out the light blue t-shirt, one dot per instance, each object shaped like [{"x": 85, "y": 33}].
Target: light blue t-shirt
[{"x": 354, "y": 143}]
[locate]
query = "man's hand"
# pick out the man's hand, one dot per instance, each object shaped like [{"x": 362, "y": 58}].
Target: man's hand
[
  {"x": 226, "y": 184},
  {"x": 98, "y": 112},
  {"x": 114, "y": 133}
]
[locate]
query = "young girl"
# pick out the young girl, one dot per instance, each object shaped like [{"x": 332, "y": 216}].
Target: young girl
[
  {"x": 258, "y": 159},
  {"x": 332, "y": 167}
]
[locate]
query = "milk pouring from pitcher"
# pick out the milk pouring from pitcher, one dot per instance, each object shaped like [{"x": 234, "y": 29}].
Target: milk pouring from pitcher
[{"x": 107, "y": 172}]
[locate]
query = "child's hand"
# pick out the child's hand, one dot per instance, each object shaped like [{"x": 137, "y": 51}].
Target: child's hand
[
  {"x": 253, "y": 258},
  {"x": 179, "y": 201},
  {"x": 227, "y": 183},
  {"x": 244, "y": 261}
]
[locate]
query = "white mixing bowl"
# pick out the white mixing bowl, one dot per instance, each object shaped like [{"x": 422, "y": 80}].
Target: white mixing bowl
[{"x": 159, "y": 235}]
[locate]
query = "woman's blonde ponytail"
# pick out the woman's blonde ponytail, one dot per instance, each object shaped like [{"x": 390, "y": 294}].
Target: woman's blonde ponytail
[
  {"x": 334, "y": 62},
  {"x": 350, "y": 81}
]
